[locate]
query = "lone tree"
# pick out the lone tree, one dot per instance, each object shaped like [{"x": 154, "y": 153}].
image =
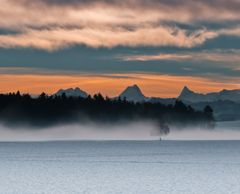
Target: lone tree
[{"x": 208, "y": 111}]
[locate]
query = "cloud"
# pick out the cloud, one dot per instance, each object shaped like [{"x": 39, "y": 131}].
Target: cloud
[
  {"x": 230, "y": 56},
  {"x": 111, "y": 37},
  {"x": 55, "y": 24},
  {"x": 173, "y": 9},
  {"x": 157, "y": 57}
]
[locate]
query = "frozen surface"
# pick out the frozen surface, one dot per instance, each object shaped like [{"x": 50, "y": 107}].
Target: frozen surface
[{"x": 177, "y": 167}]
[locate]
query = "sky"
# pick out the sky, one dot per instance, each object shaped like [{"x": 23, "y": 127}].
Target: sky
[{"x": 106, "y": 45}]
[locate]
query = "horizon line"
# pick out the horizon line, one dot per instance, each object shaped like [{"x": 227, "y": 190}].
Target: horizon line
[{"x": 77, "y": 87}]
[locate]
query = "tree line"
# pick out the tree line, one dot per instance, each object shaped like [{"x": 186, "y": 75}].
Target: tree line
[{"x": 16, "y": 109}]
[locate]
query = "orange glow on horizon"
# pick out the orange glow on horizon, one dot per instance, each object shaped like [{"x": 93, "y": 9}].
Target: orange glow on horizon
[{"x": 112, "y": 84}]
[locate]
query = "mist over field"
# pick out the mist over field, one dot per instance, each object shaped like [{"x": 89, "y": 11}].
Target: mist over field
[
  {"x": 122, "y": 131},
  {"x": 223, "y": 131}
]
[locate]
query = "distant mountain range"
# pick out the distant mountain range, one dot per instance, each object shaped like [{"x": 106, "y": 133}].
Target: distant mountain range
[
  {"x": 226, "y": 103},
  {"x": 190, "y": 96},
  {"x": 134, "y": 93}
]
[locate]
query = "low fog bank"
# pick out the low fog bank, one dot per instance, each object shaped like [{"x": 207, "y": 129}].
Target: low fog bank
[
  {"x": 129, "y": 131},
  {"x": 229, "y": 130},
  {"x": 93, "y": 131}
]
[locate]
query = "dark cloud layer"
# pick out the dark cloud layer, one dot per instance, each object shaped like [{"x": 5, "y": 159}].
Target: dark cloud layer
[
  {"x": 230, "y": 4},
  {"x": 90, "y": 35}
]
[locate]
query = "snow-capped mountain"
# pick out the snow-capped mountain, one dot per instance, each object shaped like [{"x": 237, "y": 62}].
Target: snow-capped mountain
[
  {"x": 133, "y": 93},
  {"x": 225, "y": 103},
  {"x": 188, "y": 95},
  {"x": 77, "y": 92}
]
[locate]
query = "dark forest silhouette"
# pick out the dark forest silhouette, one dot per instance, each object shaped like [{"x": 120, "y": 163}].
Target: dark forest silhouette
[{"x": 17, "y": 109}]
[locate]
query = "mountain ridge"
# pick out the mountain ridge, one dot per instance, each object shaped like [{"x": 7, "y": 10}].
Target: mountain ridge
[
  {"x": 188, "y": 95},
  {"x": 134, "y": 93},
  {"x": 225, "y": 103}
]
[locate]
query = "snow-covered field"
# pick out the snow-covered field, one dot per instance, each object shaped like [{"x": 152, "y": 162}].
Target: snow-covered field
[{"x": 175, "y": 167}]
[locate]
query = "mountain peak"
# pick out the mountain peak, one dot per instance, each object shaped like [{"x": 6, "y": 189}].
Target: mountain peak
[
  {"x": 134, "y": 87},
  {"x": 133, "y": 93},
  {"x": 186, "y": 91},
  {"x": 77, "y": 92},
  {"x": 186, "y": 94}
]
